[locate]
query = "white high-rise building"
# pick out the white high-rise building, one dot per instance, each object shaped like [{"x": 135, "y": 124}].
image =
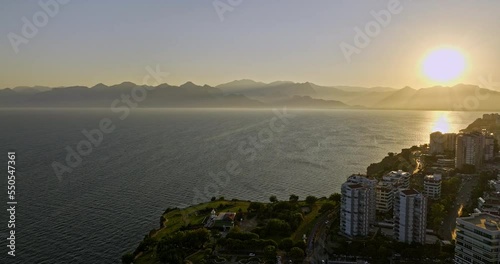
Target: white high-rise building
[
  {"x": 432, "y": 186},
  {"x": 358, "y": 205},
  {"x": 388, "y": 187},
  {"x": 489, "y": 147},
  {"x": 441, "y": 143},
  {"x": 470, "y": 150},
  {"x": 436, "y": 143},
  {"x": 478, "y": 239},
  {"x": 474, "y": 149},
  {"x": 385, "y": 196},
  {"x": 410, "y": 216}
]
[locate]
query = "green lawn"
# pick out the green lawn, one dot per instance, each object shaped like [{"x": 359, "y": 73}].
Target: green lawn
[{"x": 182, "y": 217}]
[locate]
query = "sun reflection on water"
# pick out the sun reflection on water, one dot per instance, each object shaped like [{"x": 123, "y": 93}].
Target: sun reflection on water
[{"x": 442, "y": 123}]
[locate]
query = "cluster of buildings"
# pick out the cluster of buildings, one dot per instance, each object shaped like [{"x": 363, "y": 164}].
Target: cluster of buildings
[
  {"x": 362, "y": 197},
  {"x": 478, "y": 235},
  {"x": 470, "y": 148},
  {"x": 489, "y": 202},
  {"x": 474, "y": 149},
  {"x": 494, "y": 118}
]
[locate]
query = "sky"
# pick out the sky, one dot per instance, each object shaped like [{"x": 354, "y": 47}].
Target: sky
[{"x": 90, "y": 42}]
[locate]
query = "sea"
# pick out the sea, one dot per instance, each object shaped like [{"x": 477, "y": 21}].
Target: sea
[{"x": 90, "y": 183}]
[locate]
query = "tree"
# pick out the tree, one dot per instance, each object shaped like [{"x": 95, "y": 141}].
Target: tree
[
  {"x": 255, "y": 207},
  {"x": 286, "y": 244},
  {"x": 171, "y": 255},
  {"x": 197, "y": 238},
  {"x": 270, "y": 252},
  {"x": 296, "y": 253},
  {"x": 295, "y": 220},
  {"x": 437, "y": 209},
  {"x": 273, "y": 199},
  {"x": 300, "y": 244},
  {"x": 311, "y": 199},
  {"x": 293, "y": 198},
  {"x": 335, "y": 197},
  {"x": 146, "y": 244},
  {"x": 128, "y": 258},
  {"x": 277, "y": 227},
  {"x": 162, "y": 222},
  {"x": 173, "y": 248},
  {"x": 327, "y": 207}
]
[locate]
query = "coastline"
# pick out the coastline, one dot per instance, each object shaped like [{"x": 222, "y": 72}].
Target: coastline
[{"x": 405, "y": 160}]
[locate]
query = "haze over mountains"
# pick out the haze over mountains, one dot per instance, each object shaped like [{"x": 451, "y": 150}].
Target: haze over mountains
[{"x": 252, "y": 94}]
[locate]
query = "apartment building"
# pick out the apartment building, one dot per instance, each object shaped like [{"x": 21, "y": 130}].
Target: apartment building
[
  {"x": 478, "y": 239},
  {"x": 357, "y": 205},
  {"x": 410, "y": 216},
  {"x": 432, "y": 186}
]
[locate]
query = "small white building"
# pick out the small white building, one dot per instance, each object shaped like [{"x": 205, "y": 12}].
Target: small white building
[{"x": 432, "y": 186}]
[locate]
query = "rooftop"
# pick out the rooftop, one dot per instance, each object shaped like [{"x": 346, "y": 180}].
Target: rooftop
[
  {"x": 355, "y": 186},
  {"x": 435, "y": 177},
  {"x": 484, "y": 221},
  {"x": 409, "y": 192},
  {"x": 227, "y": 216}
]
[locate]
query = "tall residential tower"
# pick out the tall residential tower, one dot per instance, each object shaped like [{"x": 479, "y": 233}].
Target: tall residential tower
[{"x": 358, "y": 207}]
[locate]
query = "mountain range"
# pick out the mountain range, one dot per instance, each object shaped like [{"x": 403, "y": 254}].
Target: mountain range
[{"x": 251, "y": 94}]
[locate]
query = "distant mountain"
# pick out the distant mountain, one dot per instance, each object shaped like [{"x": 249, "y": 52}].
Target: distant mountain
[
  {"x": 281, "y": 90},
  {"x": 398, "y": 99},
  {"x": 460, "y": 97},
  {"x": 31, "y": 90},
  {"x": 308, "y": 102},
  {"x": 269, "y": 93},
  {"x": 186, "y": 95},
  {"x": 364, "y": 89},
  {"x": 240, "y": 85},
  {"x": 251, "y": 94}
]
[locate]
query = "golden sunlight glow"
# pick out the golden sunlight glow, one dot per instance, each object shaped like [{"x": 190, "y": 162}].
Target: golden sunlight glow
[
  {"x": 442, "y": 124},
  {"x": 443, "y": 65}
]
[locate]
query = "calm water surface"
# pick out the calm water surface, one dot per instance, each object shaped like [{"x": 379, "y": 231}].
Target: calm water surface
[{"x": 156, "y": 159}]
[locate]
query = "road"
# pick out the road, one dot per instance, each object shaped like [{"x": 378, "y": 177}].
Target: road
[
  {"x": 316, "y": 241},
  {"x": 448, "y": 228}
]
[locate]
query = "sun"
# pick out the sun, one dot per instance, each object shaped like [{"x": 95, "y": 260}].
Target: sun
[{"x": 444, "y": 64}]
